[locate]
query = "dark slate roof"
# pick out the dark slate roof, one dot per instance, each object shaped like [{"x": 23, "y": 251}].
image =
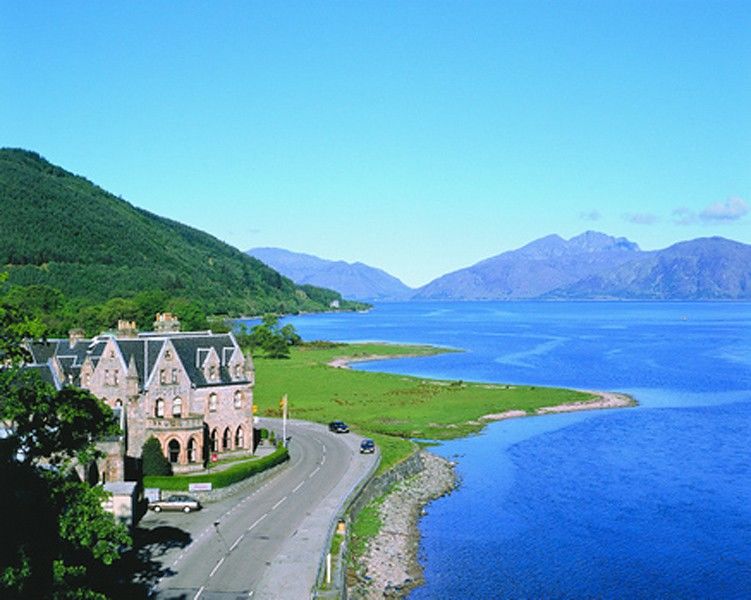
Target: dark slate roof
[
  {"x": 41, "y": 352},
  {"x": 192, "y": 348},
  {"x": 44, "y": 372},
  {"x": 187, "y": 348},
  {"x": 145, "y": 352}
]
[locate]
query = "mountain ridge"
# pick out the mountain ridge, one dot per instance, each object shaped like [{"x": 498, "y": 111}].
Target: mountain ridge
[
  {"x": 356, "y": 280},
  {"x": 62, "y": 231}
]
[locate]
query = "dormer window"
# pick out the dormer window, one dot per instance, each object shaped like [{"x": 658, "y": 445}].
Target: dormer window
[
  {"x": 238, "y": 371},
  {"x": 162, "y": 375},
  {"x": 212, "y": 373},
  {"x": 212, "y": 403},
  {"x": 238, "y": 399},
  {"x": 174, "y": 375},
  {"x": 115, "y": 377}
]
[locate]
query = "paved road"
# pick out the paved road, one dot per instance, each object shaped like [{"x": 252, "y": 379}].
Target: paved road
[{"x": 268, "y": 541}]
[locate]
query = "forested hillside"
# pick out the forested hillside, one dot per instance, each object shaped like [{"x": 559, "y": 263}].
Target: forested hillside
[{"x": 83, "y": 249}]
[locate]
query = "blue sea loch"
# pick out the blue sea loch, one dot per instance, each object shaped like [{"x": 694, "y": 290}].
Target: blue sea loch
[{"x": 649, "y": 502}]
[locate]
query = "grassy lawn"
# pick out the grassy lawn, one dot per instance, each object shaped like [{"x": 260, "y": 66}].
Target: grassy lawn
[{"x": 389, "y": 408}]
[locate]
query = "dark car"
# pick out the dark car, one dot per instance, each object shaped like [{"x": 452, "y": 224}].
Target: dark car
[
  {"x": 338, "y": 427},
  {"x": 176, "y": 502},
  {"x": 367, "y": 446}
]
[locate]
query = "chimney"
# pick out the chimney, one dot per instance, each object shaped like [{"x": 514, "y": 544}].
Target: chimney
[
  {"x": 74, "y": 336},
  {"x": 126, "y": 329},
  {"x": 166, "y": 323}
]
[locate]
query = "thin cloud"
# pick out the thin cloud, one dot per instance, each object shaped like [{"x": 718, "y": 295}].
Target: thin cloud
[
  {"x": 592, "y": 215},
  {"x": 684, "y": 216},
  {"x": 641, "y": 218},
  {"x": 732, "y": 209}
]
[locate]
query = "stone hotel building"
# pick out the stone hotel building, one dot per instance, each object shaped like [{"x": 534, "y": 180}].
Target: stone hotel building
[{"x": 193, "y": 391}]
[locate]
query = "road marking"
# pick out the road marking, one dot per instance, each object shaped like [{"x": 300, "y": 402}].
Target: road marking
[
  {"x": 323, "y": 460},
  {"x": 199, "y": 593},
  {"x": 299, "y": 485},
  {"x": 314, "y": 472},
  {"x": 216, "y": 568},
  {"x": 278, "y": 503},
  {"x": 258, "y": 521},
  {"x": 324, "y": 449},
  {"x": 237, "y": 541}
]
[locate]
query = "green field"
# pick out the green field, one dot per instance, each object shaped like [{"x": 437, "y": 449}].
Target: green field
[{"x": 389, "y": 408}]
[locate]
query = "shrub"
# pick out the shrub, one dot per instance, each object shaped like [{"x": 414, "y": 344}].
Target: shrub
[
  {"x": 221, "y": 478},
  {"x": 154, "y": 462}
]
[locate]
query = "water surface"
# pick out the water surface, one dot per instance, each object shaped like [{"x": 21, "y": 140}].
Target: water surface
[{"x": 652, "y": 502}]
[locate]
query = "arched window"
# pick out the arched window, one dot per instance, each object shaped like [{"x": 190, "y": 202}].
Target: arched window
[
  {"x": 226, "y": 439},
  {"x": 214, "y": 440},
  {"x": 238, "y": 371},
  {"x": 192, "y": 450},
  {"x": 239, "y": 438},
  {"x": 118, "y": 403},
  {"x": 238, "y": 399},
  {"x": 173, "y": 449},
  {"x": 212, "y": 403},
  {"x": 177, "y": 407},
  {"x": 159, "y": 410}
]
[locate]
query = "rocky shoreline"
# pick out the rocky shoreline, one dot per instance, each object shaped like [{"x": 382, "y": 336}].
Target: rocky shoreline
[{"x": 389, "y": 568}]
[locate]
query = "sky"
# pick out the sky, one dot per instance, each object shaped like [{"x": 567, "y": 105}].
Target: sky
[{"x": 417, "y": 137}]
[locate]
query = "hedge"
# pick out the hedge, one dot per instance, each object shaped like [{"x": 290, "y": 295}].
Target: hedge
[{"x": 222, "y": 478}]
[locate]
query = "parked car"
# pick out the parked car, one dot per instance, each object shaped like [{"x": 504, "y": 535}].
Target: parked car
[
  {"x": 176, "y": 502},
  {"x": 367, "y": 446},
  {"x": 338, "y": 427}
]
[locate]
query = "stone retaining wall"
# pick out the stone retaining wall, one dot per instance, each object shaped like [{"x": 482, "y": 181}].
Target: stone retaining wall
[{"x": 374, "y": 488}]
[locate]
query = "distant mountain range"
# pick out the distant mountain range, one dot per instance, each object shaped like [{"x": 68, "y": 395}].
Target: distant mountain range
[
  {"x": 356, "y": 281},
  {"x": 590, "y": 266}
]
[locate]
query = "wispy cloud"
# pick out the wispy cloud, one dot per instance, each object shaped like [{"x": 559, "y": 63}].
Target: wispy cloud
[
  {"x": 732, "y": 209},
  {"x": 684, "y": 216},
  {"x": 641, "y": 218},
  {"x": 592, "y": 215}
]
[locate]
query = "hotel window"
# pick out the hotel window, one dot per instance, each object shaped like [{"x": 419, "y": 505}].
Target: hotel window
[
  {"x": 212, "y": 403},
  {"x": 174, "y": 375},
  {"x": 159, "y": 410},
  {"x": 238, "y": 399},
  {"x": 177, "y": 407},
  {"x": 106, "y": 377},
  {"x": 115, "y": 377},
  {"x": 162, "y": 376}
]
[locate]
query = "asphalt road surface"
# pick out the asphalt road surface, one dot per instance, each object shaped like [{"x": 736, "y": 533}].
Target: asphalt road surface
[{"x": 268, "y": 541}]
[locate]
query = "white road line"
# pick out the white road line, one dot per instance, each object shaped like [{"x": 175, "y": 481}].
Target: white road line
[
  {"x": 258, "y": 521},
  {"x": 324, "y": 449},
  {"x": 299, "y": 485},
  {"x": 323, "y": 460},
  {"x": 237, "y": 541},
  {"x": 216, "y": 568},
  {"x": 314, "y": 472},
  {"x": 278, "y": 504},
  {"x": 198, "y": 594}
]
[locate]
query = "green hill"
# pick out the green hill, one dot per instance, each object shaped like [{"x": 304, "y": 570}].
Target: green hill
[{"x": 86, "y": 247}]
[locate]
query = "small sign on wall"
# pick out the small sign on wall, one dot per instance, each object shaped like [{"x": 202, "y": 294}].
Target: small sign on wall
[{"x": 199, "y": 487}]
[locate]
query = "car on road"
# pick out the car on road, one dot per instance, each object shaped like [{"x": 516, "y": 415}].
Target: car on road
[
  {"x": 178, "y": 502},
  {"x": 338, "y": 427},
  {"x": 367, "y": 446}
]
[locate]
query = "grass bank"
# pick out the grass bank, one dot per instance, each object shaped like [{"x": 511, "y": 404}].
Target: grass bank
[{"x": 389, "y": 408}]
